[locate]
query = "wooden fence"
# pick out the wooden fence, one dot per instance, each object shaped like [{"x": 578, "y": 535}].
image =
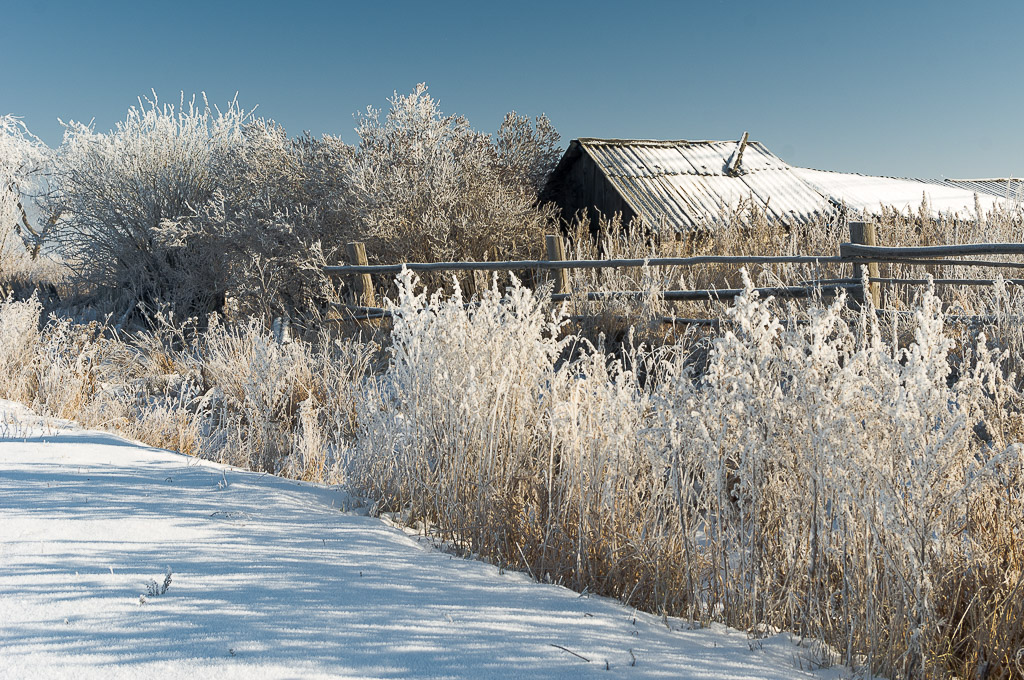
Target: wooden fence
[{"x": 862, "y": 251}]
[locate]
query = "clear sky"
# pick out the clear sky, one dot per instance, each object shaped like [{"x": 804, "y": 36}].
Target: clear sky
[{"x": 896, "y": 88}]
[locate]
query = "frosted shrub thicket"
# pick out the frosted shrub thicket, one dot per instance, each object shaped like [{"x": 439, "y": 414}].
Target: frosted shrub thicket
[
  {"x": 236, "y": 395},
  {"x": 206, "y": 209},
  {"x": 282, "y": 208},
  {"x": 746, "y": 231},
  {"x": 430, "y": 188},
  {"x": 19, "y": 344},
  {"x": 113, "y": 191}
]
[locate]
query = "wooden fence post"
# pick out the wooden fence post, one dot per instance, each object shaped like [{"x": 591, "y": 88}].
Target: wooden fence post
[
  {"x": 863, "y": 233},
  {"x": 356, "y": 252},
  {"x": 556, "y": 251}
]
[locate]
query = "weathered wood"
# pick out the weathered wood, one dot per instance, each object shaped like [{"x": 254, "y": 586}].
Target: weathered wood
[
  {"x": 847, "y": 256},
  {"x": 712, "y": 294},
  {"x": 883, "y": 253},
  {"x": 946, "y": 282},
  {"x": 709, "y": 293},
  {"x": 863, "y": 251},
  {"x": 994, "y": 264},
  {"x": 919, "y": 282},
  {"x": 555, "y": 246},
  {"x": 356, "y": 252},
  {"x": 516, "y": 265},
  {"x": 865, "y": 233},
  {"x": 356, "y": 313},
  {"x": 733, "y": 168}
]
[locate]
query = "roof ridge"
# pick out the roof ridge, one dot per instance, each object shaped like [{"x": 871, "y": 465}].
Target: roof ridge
[
  {"x": 655, "y": 142},
  {"x": 984, "y": 179}
]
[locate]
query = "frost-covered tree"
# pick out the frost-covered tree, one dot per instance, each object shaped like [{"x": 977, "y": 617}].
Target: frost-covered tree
[
  {"x": 116, "y": 190},
  {"x": 281, "y": 204},
  {"x": 24, "y": 163},
  {"x": 527, "y": 152},
  {"x": 429, "y": 187},
  {"x": 419, "y": 186}
]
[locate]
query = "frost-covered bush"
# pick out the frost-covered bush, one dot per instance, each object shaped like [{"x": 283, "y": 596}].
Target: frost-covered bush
[
  {"x": 24, "y": 168},
  {"x": 57, "y": 366},
  {"x": 69, "y": 370},
  {"x": 281, "y": 210},
  {"x": 458, "y": 421},
  {"x": 243, "y": 395},
  {"x": 195, "y": 207},
  {"x": 260, "y": 384},
  {"x": 430, "y": 188},
  {"x": 115, "y": 192},
  {"x": 832, "y": 473},
  {"x": 189, "y": 206},
  {"x": 240, "y": 395},
  {"x": 418, "y": 186}
]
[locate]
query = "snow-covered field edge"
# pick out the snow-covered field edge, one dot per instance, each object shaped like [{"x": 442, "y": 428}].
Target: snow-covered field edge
[{"x": 118, "y": 560}]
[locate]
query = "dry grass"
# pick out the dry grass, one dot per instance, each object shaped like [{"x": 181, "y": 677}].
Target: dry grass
[
  {"x": 813, "y": 476},
  {"x": 237, "y": 395}
]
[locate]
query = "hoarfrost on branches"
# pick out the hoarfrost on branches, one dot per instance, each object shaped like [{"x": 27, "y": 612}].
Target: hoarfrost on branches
[{"x": 430, "y": 188}]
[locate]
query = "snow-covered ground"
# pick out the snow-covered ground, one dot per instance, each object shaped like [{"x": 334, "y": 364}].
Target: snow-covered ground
[{"x": 270, "y": 579}]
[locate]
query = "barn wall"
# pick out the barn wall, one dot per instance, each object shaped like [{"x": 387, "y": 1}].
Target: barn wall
[{"x": 583, "y": 187}]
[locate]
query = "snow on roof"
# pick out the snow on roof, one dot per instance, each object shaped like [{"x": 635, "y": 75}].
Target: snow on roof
[
  {"x": 682, "y": 184},
  {"x": 869, "y": 194}
]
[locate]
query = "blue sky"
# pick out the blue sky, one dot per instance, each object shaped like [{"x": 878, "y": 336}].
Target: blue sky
[{"x": 898, "y": 88}]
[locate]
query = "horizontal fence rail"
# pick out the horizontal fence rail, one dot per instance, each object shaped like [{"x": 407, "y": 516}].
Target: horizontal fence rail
[
  {"x": 884, "y": 253},
  {"x": 993, "y": 264},
  {"x": 708, "y": 294},
  {"x": 851, "y": 256},
  {"x": 518, "y": 265},
  {"x": 861, "y": 252},
  {"x": 915, "y": 282}
]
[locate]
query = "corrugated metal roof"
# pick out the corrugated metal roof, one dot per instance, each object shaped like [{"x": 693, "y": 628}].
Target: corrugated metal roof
[
  {"x": 1009, "y": 189},
  {"x": 870, "y": 194},
  {"x": 681, "y": 185},
  {"x": 708, "y": 158},
  {"x": 685, "y": 184},
  {"x": 788, "y": 197}
]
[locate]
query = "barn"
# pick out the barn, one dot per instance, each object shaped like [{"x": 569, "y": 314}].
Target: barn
[{"x": 684, "y": 185}]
